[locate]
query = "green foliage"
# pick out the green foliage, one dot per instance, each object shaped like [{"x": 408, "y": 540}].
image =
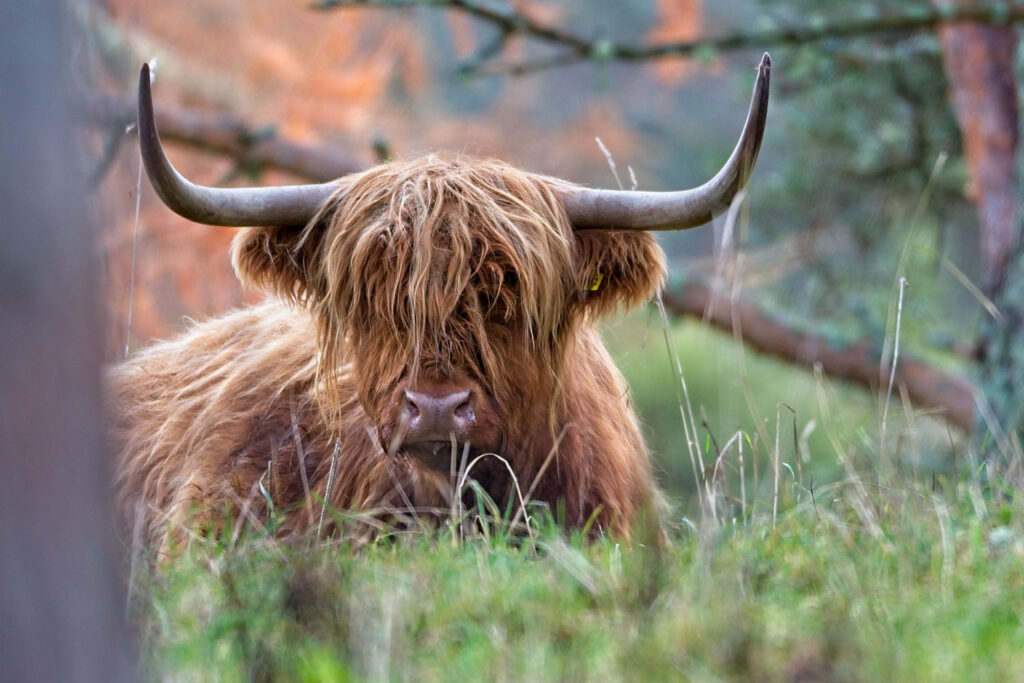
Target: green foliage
[
  {"x": 863, "y": 119},
  {"x": 856, "y": 129}
]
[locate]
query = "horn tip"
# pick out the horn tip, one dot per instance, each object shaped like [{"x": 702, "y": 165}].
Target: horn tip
[
  {"x": 766, "y": 61},
  {"x": 144, "y": 78}
]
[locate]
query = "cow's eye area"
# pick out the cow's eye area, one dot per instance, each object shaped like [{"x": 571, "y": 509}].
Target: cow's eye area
[
  {"x": 497, "y": 294},
  {"x": 478, "y": 358}
]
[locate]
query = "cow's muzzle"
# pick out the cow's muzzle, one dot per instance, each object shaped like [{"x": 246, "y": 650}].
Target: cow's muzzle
[{"x": 431, "y": 418}]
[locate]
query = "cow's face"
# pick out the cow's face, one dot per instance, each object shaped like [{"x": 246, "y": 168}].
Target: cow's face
[{"x": 450, "y": 290}]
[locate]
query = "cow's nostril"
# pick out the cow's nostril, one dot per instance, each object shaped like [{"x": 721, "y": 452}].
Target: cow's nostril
[
  {"x": 435, "y": 415},
  {"x": 410, "y": 409},
  {"x": 463, "y": 411}
]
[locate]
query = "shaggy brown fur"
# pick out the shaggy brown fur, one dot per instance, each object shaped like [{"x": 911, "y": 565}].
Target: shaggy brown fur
[{"x": 428, "y": 271}]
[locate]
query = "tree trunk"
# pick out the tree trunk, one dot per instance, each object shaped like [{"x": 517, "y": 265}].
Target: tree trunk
[
  {"x": 61, "y": 602},
  {"x": 979, "y": 61}
]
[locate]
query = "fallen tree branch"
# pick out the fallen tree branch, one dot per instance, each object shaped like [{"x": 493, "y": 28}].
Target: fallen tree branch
[
  {"x": 927, "y": 386},
  {"x": 252, "y": 148},
  {"x": 510, "y": 21}
]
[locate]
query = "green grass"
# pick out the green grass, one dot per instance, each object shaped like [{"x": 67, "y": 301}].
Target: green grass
[
  {"x": 729, "y": 400},
  {"x": 863, "y": 582},
  {"x": 739, "y": 390}
]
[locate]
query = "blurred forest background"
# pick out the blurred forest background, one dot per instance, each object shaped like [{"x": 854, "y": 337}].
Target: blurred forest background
[{"x": 862, "y": 180}]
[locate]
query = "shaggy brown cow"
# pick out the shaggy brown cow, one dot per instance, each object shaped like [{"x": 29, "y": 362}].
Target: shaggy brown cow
[{"x": 422, "y": 310}]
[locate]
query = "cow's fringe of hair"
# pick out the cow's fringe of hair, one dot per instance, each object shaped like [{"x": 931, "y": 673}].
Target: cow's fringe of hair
[
  {"x": 367, "y": 266},
  {"x": 506, "y": 247}
]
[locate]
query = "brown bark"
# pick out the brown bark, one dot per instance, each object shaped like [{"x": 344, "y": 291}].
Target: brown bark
[
  {"x": 979, "y": 62},
  {"x": 926, "y": 385}
]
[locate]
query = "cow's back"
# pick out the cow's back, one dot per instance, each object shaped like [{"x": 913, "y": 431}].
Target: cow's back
[{"x": 196, "y": 420}]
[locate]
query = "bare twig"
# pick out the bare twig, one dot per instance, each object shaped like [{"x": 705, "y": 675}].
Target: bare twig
[
  {"x": 575, "y": 48},
  {"x": 895, "y": 353},
  {"x": 135, "y": 252},
  {"x": 507, "y": 20},
  {"x": 775, "y": 487},
  {"x": 300, "y": 461},
  {"x": 685, "y": 407},
  {"x": 331, "y": 474}
]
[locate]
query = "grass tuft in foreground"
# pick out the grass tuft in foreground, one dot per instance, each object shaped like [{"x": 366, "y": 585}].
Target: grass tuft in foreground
[{"x": 864, "y": 580}]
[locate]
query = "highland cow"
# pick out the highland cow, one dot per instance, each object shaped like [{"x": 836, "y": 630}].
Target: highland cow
[{"x": 424, "y": 315}]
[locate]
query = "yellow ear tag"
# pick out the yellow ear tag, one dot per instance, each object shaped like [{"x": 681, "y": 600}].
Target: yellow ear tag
[{"x": 596, "y": 280}]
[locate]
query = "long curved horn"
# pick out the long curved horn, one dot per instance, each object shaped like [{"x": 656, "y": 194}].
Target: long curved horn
[
  {"x": 260, "y": 206},
  {"x": 623, "y": 210}
]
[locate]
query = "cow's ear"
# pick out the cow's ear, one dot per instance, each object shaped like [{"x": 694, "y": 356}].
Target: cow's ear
[
  {"x": 282, "y": 260},
  {"x": 617, "y": 268}
]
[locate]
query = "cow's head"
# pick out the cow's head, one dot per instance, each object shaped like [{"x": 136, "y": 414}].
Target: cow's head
[{"x": 449, "y": 288}]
